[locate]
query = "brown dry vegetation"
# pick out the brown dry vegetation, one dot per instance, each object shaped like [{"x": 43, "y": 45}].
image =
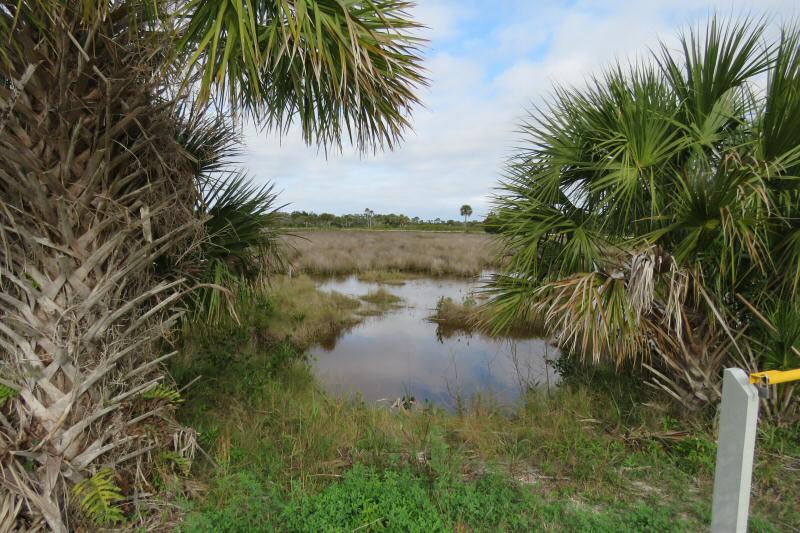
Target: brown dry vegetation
[{"x": 353, "y": 251}]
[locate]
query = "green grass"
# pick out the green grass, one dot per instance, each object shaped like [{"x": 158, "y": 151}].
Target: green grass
[
  {"x": 406, "y": 500},
  {"x": 602, "y": 453}
]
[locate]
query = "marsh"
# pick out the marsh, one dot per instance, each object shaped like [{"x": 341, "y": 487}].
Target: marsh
[{"x": 403, "y": 352}]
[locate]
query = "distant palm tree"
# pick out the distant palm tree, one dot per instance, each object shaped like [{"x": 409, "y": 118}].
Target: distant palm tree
[
  {"x": 369, "y": 213},
  {"x": 655, "y": 214},
  {"x": 466, "y": 212}
]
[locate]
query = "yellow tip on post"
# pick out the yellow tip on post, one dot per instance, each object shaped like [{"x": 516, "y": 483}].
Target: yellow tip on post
[{"x": 773, "y": 377}]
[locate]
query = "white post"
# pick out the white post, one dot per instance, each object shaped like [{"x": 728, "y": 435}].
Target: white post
[{"x": 737, "y": 439}]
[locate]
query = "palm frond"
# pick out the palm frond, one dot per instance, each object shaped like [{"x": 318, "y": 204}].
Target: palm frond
[
  {"x": 639, "y": 206},
  {"x": 340, "y": 69},
  {"x": 243, "y": 241}
]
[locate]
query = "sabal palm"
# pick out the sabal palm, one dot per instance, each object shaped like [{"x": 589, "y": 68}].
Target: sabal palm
[
  {"x": 651, "y": 213},
  {"x": 99, "y": 220}
]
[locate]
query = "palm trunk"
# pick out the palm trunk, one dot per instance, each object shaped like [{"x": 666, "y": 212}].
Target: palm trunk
[{"x": 91, "y": 176}]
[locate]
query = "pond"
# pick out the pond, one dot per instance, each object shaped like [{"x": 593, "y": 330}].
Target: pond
[{"x": 402, "y": 353}]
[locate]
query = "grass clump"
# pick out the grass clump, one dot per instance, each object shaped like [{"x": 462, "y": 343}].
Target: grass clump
[
  {"x": 382, "y": 299},
  {"x": 386, "y": 277},
  {"x": 469, "y": 316},
  {"x": 306, "y": 314}
]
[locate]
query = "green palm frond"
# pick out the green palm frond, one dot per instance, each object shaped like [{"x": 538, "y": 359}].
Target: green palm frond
[
  {"x": 340, "y": 69},
  {"x": 779, "y": 125},
  {"x": 716, "y": 59},
  {"x": 98, "y": 497},
  {"x": 212, "y": 141},
  {"x": 163, "y": 392},
  {"x": 243, "y": 241}
]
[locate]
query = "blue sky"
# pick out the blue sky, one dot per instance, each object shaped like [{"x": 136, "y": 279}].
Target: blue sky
[{"x": 487, "y": 62}]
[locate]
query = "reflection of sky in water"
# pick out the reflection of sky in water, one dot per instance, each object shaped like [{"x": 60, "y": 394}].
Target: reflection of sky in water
[{"x": 399, "y": 353}]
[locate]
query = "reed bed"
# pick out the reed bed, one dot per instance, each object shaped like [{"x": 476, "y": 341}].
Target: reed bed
[{"x": 356, "y": 252}]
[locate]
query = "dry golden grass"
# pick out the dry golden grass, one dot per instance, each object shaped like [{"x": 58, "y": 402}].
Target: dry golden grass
[{"x": 353, "y": 252}]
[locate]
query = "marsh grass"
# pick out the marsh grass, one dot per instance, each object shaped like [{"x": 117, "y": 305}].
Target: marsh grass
[
  {"x": 384, "y": 277},
  {"x": 305, "y": 314},
  {"x": 365, "y": 252},
  {"x": 382, "y": 299},
  {"x": 470, "y": 315}
]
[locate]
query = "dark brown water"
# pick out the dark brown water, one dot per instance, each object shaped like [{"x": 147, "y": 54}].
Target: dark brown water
[{"x": 403, "y": 353}]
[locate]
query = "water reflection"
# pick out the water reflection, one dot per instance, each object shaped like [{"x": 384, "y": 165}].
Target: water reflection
[{"x": 402, "y": 353}]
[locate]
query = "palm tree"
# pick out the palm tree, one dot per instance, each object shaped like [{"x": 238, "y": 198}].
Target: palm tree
[
  {"x": 652, "y": 216},
  {"x": 466, "y": 212},
  {"x": 107, "y": 138}
]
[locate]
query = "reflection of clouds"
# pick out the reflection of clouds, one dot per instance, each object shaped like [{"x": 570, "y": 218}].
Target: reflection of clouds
[{"x": 398, "y": 353}]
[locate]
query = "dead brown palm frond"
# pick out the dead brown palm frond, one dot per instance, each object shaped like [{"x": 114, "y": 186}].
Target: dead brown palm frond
[
  {"x": 10, "y": 506},
  {"x": 592, "y": 315}
]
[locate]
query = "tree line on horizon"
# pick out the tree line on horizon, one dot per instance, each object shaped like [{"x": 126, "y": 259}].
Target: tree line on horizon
[{"x": 368, "y": 219}]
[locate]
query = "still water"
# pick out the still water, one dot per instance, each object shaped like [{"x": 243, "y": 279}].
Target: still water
[{"x": 403, "y": 353}]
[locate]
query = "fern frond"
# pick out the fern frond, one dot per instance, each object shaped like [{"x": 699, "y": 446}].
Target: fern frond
[
  {"x": 179, "y": 462},
  {"x": 163, "y": 392},
  {"x": 97, "y": 497}
]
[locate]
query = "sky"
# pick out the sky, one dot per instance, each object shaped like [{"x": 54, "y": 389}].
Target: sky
[{"x": 487, "y": 63}]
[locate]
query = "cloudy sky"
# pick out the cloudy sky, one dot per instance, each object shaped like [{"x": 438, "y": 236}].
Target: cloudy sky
[{"x": 487, "y": 62}]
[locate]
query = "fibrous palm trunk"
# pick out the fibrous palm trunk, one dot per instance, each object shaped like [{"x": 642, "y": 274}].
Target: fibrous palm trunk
[{"x": 94, "y": 191}]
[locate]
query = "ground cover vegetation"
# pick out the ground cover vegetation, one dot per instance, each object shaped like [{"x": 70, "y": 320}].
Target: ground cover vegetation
[
  {"x": 600, "y": 453},
  {"x": 652, "y": 215},
  {"x": 120, "y": 221}
]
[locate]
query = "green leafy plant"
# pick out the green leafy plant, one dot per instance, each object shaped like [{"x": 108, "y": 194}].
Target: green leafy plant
[
  {"x": 98, "y": 496},
  {"x": 177, "y": 461},
  {"x": 6, "y": 393},
  {"x": 163, "y": 392}
]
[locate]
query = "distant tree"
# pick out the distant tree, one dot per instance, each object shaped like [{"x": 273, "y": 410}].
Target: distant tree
[
  {"x": 492, "y": 222},
  {"x": 368, "y": 214},
  {"x": 466, "y": 212},
  {"x": 326, "y": 219}
]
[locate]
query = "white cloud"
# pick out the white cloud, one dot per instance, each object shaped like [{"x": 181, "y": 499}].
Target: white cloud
[{"x": 485, "y": 68}]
